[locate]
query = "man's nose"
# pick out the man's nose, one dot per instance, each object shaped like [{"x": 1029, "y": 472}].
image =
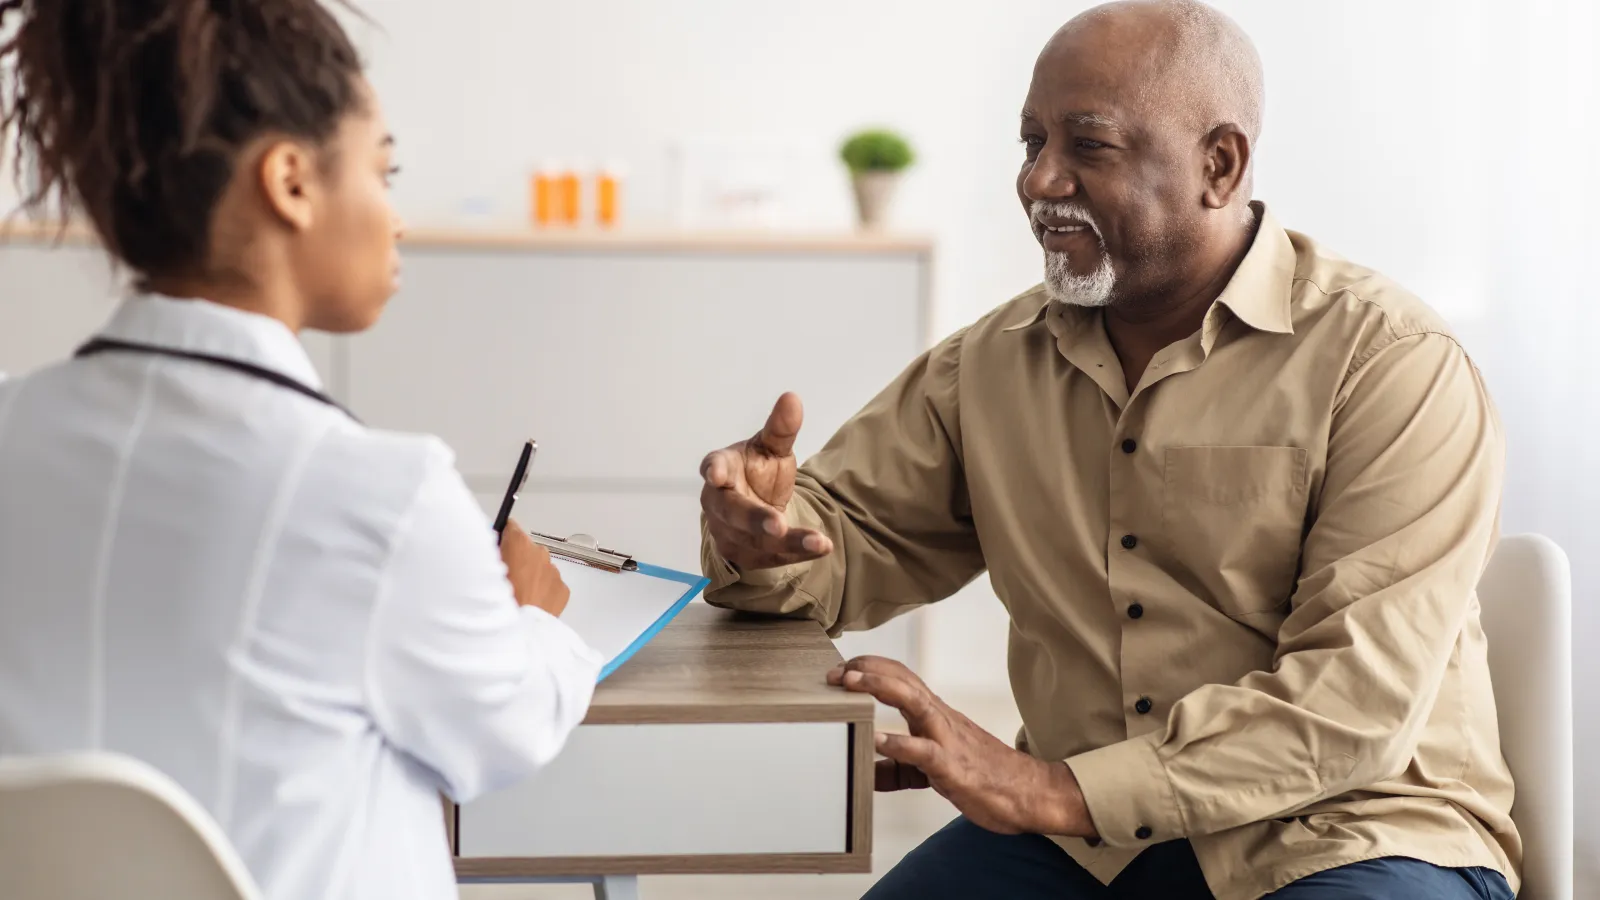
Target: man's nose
[{"x": 1050, "y": 178}]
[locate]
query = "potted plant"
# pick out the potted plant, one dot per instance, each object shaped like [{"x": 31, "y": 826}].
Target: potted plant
[{"x": 875, "y": 158}]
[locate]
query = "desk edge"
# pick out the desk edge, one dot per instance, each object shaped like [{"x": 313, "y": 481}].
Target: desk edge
[
  {"x": 493, "y": 868},
  {"x": 846, "y": 709}
]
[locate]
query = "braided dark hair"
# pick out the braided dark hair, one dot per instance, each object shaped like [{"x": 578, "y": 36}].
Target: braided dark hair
[{"x": 133, "y": 111}]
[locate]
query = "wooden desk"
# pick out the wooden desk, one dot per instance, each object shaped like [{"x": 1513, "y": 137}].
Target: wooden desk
[{"x": 717, "y": 749}]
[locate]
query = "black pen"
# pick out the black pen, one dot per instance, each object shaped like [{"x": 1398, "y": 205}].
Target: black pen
[{"x": 519, "y": 478}]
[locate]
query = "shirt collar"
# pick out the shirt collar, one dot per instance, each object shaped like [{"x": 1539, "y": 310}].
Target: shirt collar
[
  {"x": 1035, "y": 317},
  {"x": 1258, "y": 293},
  {"x": 200, "y": 326}
]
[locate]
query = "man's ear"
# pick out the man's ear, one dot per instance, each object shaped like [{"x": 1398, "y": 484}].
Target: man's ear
[
  {"x": 1228, "y": 154},
  {"x": 287, "y": 175}
]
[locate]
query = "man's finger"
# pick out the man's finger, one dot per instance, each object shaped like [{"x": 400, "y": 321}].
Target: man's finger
[
  {"x": 720, "y": 468},
  {"x": 763, "y": 527},
  {"x": 888, "y": 775},
  {"x": 740, "y": 511},
  {"x": 776, "y": 438},
  {"x": 804, "y": 543},
  {"x": 738, "y": 548},
  {"x": 718, "y": 503},
  {"x": 875, "y": 665},
  {"x": 910, "y": 750},
  {"x": 855, "y": 663},
  {"x": 881, "y": 665},
  {"x": 913, "y": 700},
  {"x": 750, "y": 551}
]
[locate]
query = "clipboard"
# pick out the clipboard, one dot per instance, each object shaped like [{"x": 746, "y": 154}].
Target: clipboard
[{"x": 618, "y": 603}]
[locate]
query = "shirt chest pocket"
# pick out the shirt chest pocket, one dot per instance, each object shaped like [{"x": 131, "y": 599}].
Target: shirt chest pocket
[{"x": 1233, "y": 519}]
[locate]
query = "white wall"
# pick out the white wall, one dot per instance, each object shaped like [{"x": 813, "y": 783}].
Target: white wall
[
  {"x": 1360, "y": 94},
  {"x": 1395, "y": 132}
]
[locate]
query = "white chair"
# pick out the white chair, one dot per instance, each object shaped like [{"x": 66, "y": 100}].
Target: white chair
[
  {"x": 99, "y": 826},
  {"x": 1526, "y": 594}
]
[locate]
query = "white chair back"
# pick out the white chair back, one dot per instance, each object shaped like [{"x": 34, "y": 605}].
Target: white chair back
[
  {"x": 1526, "y": 594},
  {"x": 99, "y": 826}
]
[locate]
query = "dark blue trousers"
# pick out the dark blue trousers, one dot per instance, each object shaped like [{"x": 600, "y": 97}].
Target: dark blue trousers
[{"x": 965, "y": 861}]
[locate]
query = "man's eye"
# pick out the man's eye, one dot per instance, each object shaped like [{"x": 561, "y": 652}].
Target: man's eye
[{"x": 1087, "y": 144}]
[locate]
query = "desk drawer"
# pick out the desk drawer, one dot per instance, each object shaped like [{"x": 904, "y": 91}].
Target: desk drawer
[{"x": 675, "y": 790}]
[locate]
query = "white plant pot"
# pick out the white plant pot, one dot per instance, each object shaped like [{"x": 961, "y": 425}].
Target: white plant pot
[{"x": 874, "y": 191}]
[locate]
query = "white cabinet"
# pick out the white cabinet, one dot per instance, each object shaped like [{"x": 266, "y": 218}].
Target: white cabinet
[{"x": 629, "y": 366}]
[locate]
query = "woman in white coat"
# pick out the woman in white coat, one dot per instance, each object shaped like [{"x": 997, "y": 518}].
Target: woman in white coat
[{"x": 205, "y": 563}]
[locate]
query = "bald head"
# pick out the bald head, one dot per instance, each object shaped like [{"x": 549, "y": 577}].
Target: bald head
[{"x": 1182, "y": 59}]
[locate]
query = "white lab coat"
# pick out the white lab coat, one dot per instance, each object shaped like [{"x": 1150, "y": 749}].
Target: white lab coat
[{"x": 303, "y": 621}]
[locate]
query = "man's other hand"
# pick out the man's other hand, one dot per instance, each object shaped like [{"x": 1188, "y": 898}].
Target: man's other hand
[{"x": 992, "y": 784}]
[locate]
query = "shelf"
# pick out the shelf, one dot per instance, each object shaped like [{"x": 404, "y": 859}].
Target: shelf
[{"x": 581, "y": 240}]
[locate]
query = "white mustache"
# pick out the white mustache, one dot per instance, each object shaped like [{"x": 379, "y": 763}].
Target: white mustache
[{"x": 1062, "y": 209}]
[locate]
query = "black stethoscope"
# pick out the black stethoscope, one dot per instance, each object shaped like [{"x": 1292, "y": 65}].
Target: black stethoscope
[{"x": 107, "y": 345}]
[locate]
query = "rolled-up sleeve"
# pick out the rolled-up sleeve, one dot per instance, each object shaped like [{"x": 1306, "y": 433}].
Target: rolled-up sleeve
[
  {"x": 479, "y": 690},
  {"x": 1402, "y": 528}
]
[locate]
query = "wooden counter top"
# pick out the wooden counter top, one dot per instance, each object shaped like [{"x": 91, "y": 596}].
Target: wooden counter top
[
  {"x": 711, "y": 665},
  {"x": 579, "y": 240}
]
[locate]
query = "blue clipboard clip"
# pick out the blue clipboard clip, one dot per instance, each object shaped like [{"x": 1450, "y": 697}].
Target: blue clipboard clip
[{"x": 585, "y": 549}]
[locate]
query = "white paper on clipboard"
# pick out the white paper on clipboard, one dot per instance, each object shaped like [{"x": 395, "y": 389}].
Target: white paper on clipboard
[{"x": 616, "y": 613}]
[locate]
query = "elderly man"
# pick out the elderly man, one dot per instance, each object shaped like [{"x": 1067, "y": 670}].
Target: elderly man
[{"x": 1235, "y": 493}]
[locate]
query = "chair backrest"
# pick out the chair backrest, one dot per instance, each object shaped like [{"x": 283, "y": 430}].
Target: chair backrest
[
  {"x": 97, "y": 826},
  {"x": 1526, "y": 594}
]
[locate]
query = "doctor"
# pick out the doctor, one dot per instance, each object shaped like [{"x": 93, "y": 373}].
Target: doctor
[{"x": 205, "y": 562}]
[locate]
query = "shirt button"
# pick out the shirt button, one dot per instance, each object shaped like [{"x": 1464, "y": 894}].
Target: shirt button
[
  {"x": 1143, "y": 706},
  {"x": 1143, "y": 833},
  {"x": 1093, "y": 842},
  {"x": 1136, "y": 611},
  {"x": 1130, "y": 445},
  {"x": 1129, "y": 542}
]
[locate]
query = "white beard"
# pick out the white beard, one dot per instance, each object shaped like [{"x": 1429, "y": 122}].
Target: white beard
[{"x": 1065, "y": 286}]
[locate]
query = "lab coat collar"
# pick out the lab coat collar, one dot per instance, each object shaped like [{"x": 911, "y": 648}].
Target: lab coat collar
[{"x": 201, "y": 326}]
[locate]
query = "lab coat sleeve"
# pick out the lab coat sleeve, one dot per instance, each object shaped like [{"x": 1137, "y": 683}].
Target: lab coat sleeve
[{"x": 481, "y": 691}]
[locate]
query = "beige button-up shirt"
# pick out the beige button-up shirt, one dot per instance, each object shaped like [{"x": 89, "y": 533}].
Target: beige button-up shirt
[{"x": 1242, "y": 597}]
